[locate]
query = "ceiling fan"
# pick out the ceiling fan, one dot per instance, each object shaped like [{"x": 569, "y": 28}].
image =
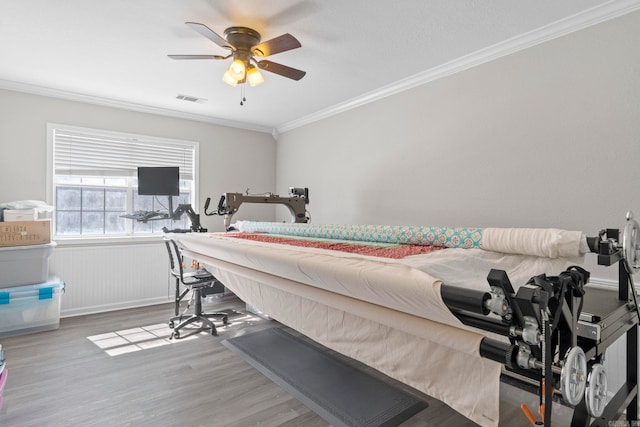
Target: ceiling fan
[{"x": 244, "y": 44}]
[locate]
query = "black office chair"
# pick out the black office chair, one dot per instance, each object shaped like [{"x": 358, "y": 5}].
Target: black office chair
[{"x": 198, "y": 282}]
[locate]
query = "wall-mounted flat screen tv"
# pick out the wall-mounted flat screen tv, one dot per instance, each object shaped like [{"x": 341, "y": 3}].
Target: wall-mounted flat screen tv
[{"x": 159, "y": 181}]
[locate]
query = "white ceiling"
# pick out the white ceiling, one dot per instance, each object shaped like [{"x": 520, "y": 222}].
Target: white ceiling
[{"x": 114, "y": 52}]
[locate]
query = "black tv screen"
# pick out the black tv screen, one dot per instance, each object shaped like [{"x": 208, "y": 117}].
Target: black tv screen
[{"x": 159, "y": 181}]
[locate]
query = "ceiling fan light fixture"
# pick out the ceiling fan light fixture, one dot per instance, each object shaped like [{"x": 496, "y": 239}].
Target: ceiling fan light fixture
[
  {"x": 254, "y": 76},
  {"x": 228, "y": 79},
  {"x": 237, "y": 69}
]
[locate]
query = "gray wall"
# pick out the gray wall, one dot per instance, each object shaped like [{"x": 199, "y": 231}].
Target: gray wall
[
  {"x": 230, "y": 159},
  {"x": 546, "y": 137}
]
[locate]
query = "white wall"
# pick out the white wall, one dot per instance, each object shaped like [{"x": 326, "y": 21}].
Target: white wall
[
  {"x": 547, "y": 137},
  {"x": 230, "y": 160}
]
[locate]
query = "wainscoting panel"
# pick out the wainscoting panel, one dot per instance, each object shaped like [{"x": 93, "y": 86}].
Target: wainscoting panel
[{"x": 110, "y": 277}]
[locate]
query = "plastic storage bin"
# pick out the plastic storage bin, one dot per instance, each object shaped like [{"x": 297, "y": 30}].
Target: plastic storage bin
[
  {"x": 30, "y": 308},
  {"x": 3, "y": 380},
  {"x": 24, "y": 265},
  {"x": 3, "y": 374}
]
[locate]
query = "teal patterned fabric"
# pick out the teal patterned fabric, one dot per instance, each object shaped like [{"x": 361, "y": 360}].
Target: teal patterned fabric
[{"x": 460, "y": 237}]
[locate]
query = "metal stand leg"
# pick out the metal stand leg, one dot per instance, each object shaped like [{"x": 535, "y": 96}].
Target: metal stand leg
[
  {"x": 632, "y": 372},
  {"x": 177, "y": 298},
  {"x": 632, "y": 344}
]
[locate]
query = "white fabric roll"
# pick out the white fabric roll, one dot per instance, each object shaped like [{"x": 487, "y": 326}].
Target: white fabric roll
[{"x": 542, "y": 242}]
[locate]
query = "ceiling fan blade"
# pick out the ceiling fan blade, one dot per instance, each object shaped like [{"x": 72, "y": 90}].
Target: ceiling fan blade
[
  {"x": 282, "y": 70},
  {"x": 198, "y": 56},
  {"x": 210, "y": 34},
  {"x": 279, "y": 44}
]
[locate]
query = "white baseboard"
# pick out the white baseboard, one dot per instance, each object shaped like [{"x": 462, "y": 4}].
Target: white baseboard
[
  {"x": 80, "y": 311},
  {"x": 607, "y": 284}
]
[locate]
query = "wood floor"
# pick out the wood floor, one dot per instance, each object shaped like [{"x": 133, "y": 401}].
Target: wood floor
[{"x": 120, "y": 369}]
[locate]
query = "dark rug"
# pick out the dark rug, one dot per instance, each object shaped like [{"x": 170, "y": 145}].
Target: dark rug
[{"x": 341, "y": 394}]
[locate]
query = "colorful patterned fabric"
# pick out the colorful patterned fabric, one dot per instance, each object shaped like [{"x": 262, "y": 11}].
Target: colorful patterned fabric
[
  {"x": 383, "y": 250},
  {"x": 408, "y": 235}
]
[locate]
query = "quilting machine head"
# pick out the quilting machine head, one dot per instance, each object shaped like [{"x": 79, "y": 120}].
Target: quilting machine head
[{"x": 229, "y": 204}]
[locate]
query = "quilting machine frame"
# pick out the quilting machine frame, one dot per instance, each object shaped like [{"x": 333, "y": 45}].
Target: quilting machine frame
[{"x": 558, "y": 332}]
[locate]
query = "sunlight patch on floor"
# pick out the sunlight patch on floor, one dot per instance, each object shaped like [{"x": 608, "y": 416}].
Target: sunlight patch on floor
[
  {"x": 136, "y": 339},
  {"x": 145, "y": 337}
]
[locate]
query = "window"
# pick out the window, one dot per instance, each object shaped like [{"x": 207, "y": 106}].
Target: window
[{"x": 94, "y": 181}]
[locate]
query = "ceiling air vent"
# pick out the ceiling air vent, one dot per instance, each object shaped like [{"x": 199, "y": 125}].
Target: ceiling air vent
[{"x": 191, "y": 98}]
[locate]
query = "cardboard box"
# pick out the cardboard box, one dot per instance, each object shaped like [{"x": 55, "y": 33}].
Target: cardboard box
[
  {"x": 21, "y": 233},
  {"x": 20, "y": 215}
]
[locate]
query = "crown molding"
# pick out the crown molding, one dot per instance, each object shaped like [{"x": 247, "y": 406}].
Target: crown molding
[
  {"x": 587, "y": 18},
  {"x": 123, "y": 105}
]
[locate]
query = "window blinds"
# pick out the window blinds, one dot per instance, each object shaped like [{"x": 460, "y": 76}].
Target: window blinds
[{"x": 93, "y": 154}]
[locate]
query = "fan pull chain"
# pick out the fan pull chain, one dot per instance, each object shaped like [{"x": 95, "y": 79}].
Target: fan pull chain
[{"x": 243, "y": 99}]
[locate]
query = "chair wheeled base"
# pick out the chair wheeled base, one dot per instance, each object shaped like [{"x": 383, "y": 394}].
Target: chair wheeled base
[{"x": 197, "y": 316}]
